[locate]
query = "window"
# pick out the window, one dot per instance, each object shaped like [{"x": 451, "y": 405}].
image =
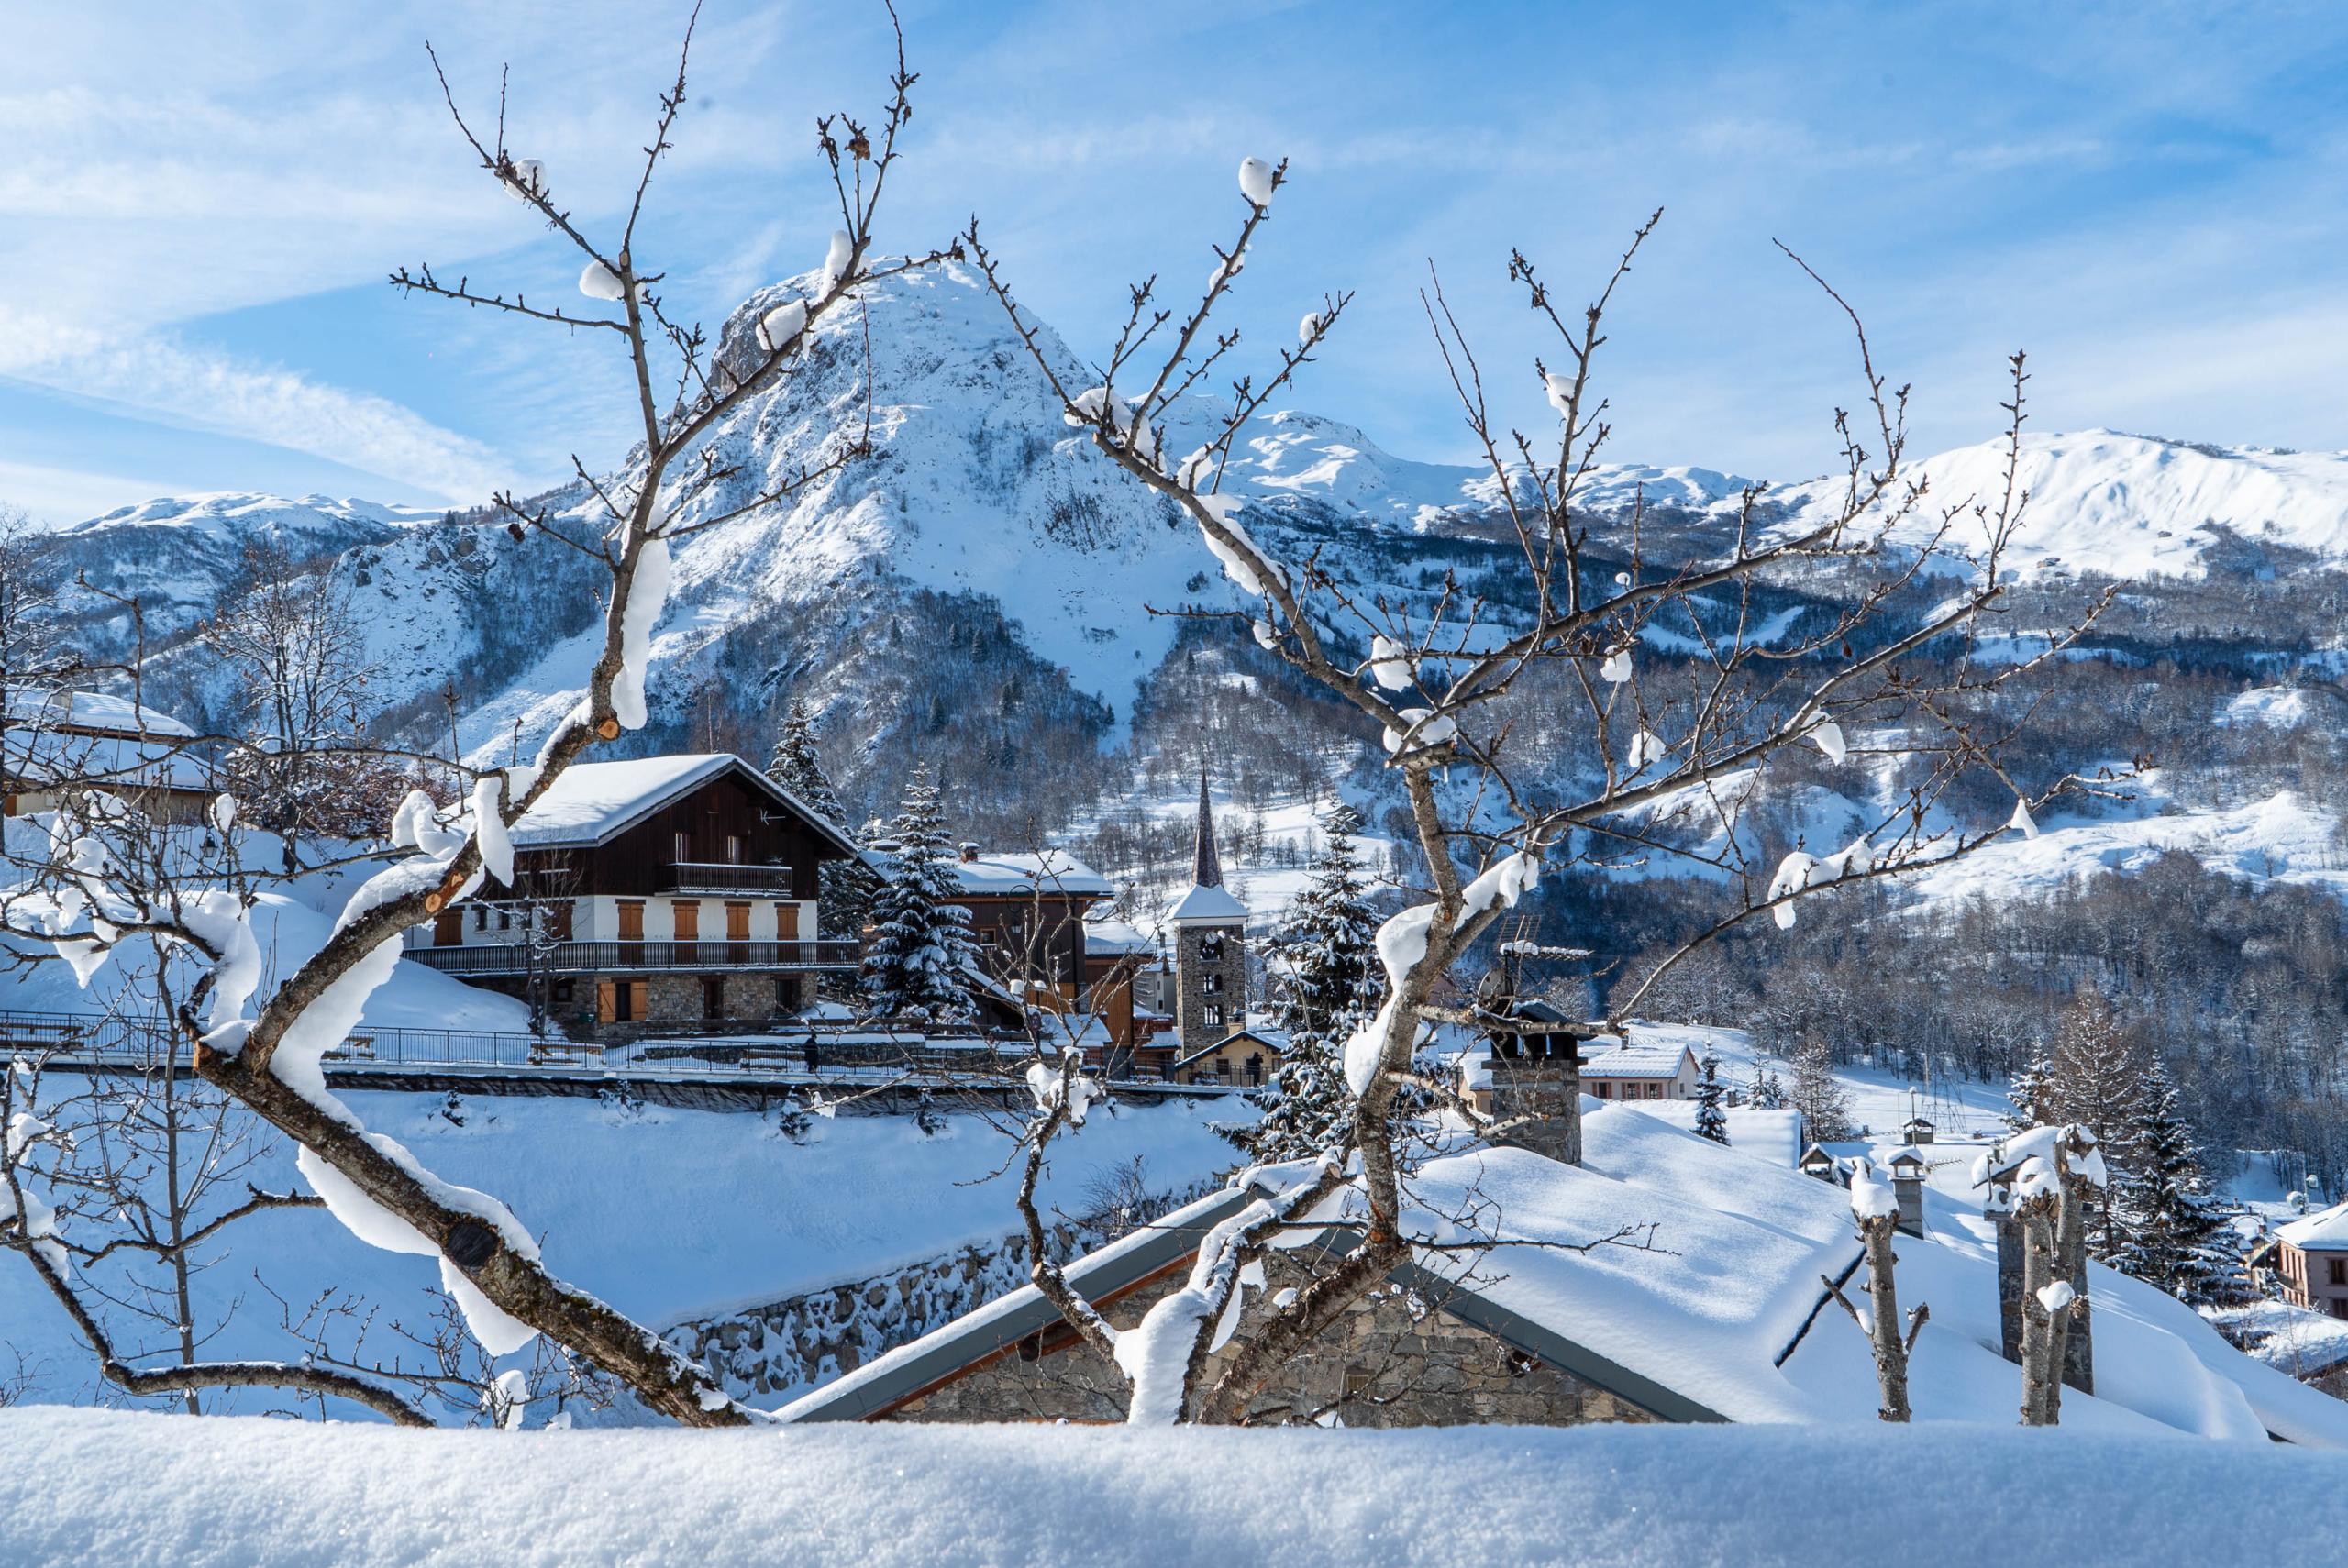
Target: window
[
  {"x": 687, "y": 917},
  {"x": 2339, "y": 1271},
  {"x": 1214, "y": 1017},
  {"x": 786, "y": 922},
  {"x": 631, "y": 919},
  {"x": 682, "y": 846},
  {"x": 1602, "y": 1089},
  {"x": 738, "y": 923},
  {"x": 2339, "y": 1305},
  {"x": 733, "y": 849},
  {"x": 1214, "y": 985},
  {"x": 505, "y": 920},
  {"x": 563, "y": 993},
  {"x": 480, "y": 917},
  {"x": 712, "y": 997},
  {"x": 1654, "y": 1091},
  {"x": 1210, "y": 949}
]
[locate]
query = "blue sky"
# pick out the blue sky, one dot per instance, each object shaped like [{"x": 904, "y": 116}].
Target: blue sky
[{"x": 201, "y": 203}]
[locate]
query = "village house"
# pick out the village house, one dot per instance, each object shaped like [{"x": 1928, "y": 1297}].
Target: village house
[
  {"x": 671, "y": 891},
  {"x": 2310, "y": 1257},
  {"x": 1639, "y": 1072},
  {"x": 54, "y": 741},
  {"x": 1246, "y": 1057},
  {"x": 1028, "y": 916}
]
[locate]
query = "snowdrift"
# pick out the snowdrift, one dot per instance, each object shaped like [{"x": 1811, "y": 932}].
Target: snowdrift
[{"x": 133, "y": 1490}]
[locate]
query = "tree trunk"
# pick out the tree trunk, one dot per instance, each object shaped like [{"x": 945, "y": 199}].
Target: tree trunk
[
  {"x": 2041, "y": 1368},
  {"x": 1884, "y": 1335}
]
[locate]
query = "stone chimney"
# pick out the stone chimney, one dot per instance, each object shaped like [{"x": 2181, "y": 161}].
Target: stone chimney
[
  {"x": 969, "y": 851},
  {"x": 1536, "y": 1094},
  {"x": 1907, "y": 1187}
]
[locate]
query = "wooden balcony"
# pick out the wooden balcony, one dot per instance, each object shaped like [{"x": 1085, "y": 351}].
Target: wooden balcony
[
  {"x": 640, "y": 957},
  {"x": 721, "y": 876}
]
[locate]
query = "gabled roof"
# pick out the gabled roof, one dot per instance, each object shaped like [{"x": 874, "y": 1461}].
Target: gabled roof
[
  {"x": 1271, "y": 1040},
  {"x": 1638, "y": 1062},
  {"x": 2325, "y": 1230},
  {"x": 99, "y": 711},
  {"x": 591, "y": 803},
  {"x": 1115, "y": 936},
  {"x": 1724, "y": 1317}
]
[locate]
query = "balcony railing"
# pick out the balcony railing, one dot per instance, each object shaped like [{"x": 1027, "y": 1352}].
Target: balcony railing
[
  {"x": 726, "y": 876},
  {"x": 630, "y": 957}
]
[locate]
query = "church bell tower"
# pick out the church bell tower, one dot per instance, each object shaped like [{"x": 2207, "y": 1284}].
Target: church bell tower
[{"x": 1210, "y": 946}]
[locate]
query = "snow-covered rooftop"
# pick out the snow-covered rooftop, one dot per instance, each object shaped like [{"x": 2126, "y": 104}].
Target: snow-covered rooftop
[
  {"x": 1636, "y": 1062},
  {"x": 590, "y": 803},
  {"x": 2325, "y": 1230},
  {"x": 1011, "y": 876},
  {"x": 41, "y": 756},
  {"x": 1207, "y": 906},
  {"x": 91, "y": 711},
  {"x": 1115, "y": 936},
  {"x": 1721, "y": 1312}
]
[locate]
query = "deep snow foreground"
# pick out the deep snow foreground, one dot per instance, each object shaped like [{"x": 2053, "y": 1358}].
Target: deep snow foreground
[{"x": 132, "y": 1490}]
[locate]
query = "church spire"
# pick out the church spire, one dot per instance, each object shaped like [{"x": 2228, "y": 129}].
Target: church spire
[{"x": 1207, "y": 872}]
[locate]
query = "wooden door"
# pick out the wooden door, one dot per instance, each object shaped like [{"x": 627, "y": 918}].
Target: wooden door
[
  {"x": 738, "y": 923},
  {"x": 606, "y": 1002},
  {"x": 449, "y": 927},
  {"x": 631, "y": 919}
]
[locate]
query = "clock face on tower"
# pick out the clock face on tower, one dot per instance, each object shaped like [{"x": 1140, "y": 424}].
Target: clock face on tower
[{"x": 1211, "y": 948}]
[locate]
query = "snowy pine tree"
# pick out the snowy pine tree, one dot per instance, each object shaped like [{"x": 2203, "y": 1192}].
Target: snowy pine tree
[
  {"x": 1819, "y": 1094},
  {"x": 2096, "y": 1080},
  {"x": 1711, "y": 1120},
  {"x": 2032, "y": 1092},
  {"x": 1332, "y": 984},
  {"x": 1769, "y": 1092},
  {"x": 845, "y": 888},
  {"x": 917, "y": 964},
  {"x": 2173, "y": 1233}
]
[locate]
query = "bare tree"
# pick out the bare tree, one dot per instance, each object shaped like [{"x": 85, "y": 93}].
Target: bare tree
[
  {"x": 1450, "y": 679},
  {"x": 265, "y": 1052},
  {"x": 2060, "y": 1170},
  {"x": 1889, "y": 1340},
  {"x": 299, "y": 656},
  {"x": 30, "y": 651}
]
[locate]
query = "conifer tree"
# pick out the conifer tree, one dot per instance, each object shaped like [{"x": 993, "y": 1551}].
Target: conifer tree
[
  {"x": 2032, "y": 1092},
  {"x": 1711, "y": 1120},
  {"x": 1769, "y": 1092},
  {"x": 921, "y": 956},
  {"x": 845, "y": 888},
  {"x": 2173, "y": 1232},
  {"x": 1819, "y": 1094},
  {"x": 1333, "y": 983},
  {"x": 2095, "y": 1079}
]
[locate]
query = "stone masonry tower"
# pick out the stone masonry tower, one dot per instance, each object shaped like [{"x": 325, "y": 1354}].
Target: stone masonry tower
[{"x": 1209, "y": 947}]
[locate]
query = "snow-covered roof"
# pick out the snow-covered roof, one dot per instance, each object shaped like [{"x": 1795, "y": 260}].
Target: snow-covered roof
[
  {"x": 1205, "y": 906},
  {"x": 1054, "y": 871},
  {"x": 39, "y": 755},
  {"x": 1274, "y": 1040},
  {"x": 2325, "y": 1230},
  {"x": 91, "y": 711},
  {"x": 1720, "y": 1317},
  {"x": 1637, "y": 1062},
  {"x": 592, "y": 802},
  {"x": 1774, "y": 1136},
  {"x": 1115, "y": 936}
]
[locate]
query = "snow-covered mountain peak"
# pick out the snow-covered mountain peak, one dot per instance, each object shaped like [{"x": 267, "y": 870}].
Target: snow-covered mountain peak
[
  {"x": 2129, "y": 506},
  {"x": 247, "y": 511}
]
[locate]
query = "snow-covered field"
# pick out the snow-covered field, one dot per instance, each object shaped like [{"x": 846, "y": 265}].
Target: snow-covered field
[
  {"x": 667, "y": 1214},
  {"x": 135, "y": 1490}
]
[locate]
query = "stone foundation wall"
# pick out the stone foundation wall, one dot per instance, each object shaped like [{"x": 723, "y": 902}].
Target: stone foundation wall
[
  {"x": 1398, "y": 1359},
  {"x": 794, "y": 1346}
]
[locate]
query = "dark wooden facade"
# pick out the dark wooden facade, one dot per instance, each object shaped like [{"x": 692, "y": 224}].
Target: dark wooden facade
[{"x": 687, "y": 846}]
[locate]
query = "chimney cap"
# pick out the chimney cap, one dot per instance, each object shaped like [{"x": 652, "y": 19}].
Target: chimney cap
[{"x": 969, "y": 851}]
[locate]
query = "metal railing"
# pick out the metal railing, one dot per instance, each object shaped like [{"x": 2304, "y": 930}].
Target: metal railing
[
  {"x": 845, "y": 1051},
  {"x": 636, "y": 958},
  {"x": 725, "y": 877}
]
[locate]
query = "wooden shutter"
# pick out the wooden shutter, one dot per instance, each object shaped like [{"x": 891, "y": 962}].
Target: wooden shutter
[
  {"x": 738, "y": 923},
  {"x": 631, "y": 919},
  {"x": 688, "y": 913},
  {"x": 449, "y": 927},
  {"x": 786, "y": 922},
  {"x": 606, "y": 1002},
  {"x": 635, "y": 1002}
]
